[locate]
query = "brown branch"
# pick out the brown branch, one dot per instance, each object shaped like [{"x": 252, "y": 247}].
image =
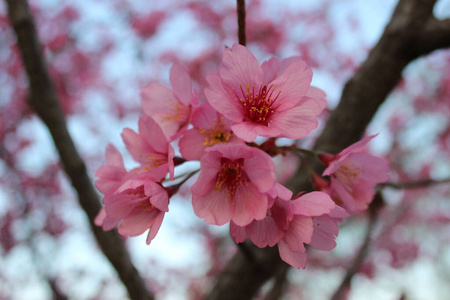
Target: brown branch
[
  {"x": 44, "y": 101},
  {"x": 374, "y": 208},
  {"x": 362, "y": 96},
  {"x": 277, "y": 290},
  {"x": 414, "y": 184},
  {"x": 241, "y": 22}
]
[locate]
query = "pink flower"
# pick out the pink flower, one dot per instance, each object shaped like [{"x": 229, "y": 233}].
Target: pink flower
[
  {"x": 210, "y": 128},
  {"x": 232, "y": 184},
  {"x": 171, "y": 109},
  {"x": 150, "y": 148},
  {"x": 107, "y": 223},
  {"x": 110, "y": 175},
  {"x": 265, "y": 100},
  {"x": 270, "y": 230},
  {"x": 138, "y": 204},
  {"x": 354, "y": 173},
  {"x": 315, "y": 223}
]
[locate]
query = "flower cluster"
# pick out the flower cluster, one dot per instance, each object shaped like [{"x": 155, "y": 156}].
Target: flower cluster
[{"x": 236, "y": 183}]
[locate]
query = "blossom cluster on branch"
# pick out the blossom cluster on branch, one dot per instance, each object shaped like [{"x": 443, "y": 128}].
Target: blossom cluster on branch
[{"x": 236, "y": 182}]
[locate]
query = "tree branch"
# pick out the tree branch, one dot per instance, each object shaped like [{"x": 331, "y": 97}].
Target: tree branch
[
  {"x": 241, "y": 22},
  {"x": 373, "y": 210},
  {"x": 44, "y": 101},
  {"x": 414, "y": 184},
  {"x": 362, "y": 96},
  {"x": 278, "y": 288}
]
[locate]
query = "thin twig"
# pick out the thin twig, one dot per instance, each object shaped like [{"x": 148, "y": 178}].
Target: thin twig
[
  {"x": 43, "y": 99},
  {"x": 374, "y": 208},
  {"x": 414, "y": 184},
  {"x": 241, "y": 22}
]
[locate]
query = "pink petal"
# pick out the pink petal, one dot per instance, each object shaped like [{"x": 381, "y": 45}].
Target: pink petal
[
  {"x": 271, "y": 69},
  {"x": 234, "y": 151},
  {"x": 282, "y": 213},
  {"x": 105, "y": 221},
  {"x": 338, "y": 213},
  {"x": 238, "y": 233},
  {"x": 313, "y": 204},
  {"x": 299, "y": 232},
  {"x": 295, "y": 259},
  {"x": 156, "y": 98},
  {"x": 113, "y": 157},
  {"x": 153, "y": 134},
  {"x": 181, "y": 83},
  {"x": 215, "y": 207},
  {"x": 157, "y": 221},
  {"x": 280, "y": 191},
  {"x": 221, "y": 101},
  {"x": 264, "y": 233},
  {"x": 318, "y": 95},
  {"x": 206, "y": 181},
  {"x": 260, "y": 169},
  {"x": 158, "y": 196},
  {"x": 160, "y": 103},
  {"x": 373, "y": 169},
  {"x": 137, "y": 223},
  {"x": 100, "y": 217},
  {"x": 135, "y": 144},
  {"x": 347, "y": 199},
  {"x": 248, "y": 131},
  {"x": 191, "y": 145},
  {"x": 298, "y": 121},
  {"x": 110, "y": 177},
  {"x": 249, "y": 205},
  {"x": 356, "y": 147},
  {"x": 293, "y": 83},
  {"x": 117, "y": 206},
  {"x": 132, "y": 183},
  {"x": 325, "y": 232},
  {"x": 239, "y": 67}
]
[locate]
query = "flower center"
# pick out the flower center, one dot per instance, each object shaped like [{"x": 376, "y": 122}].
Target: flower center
[
  {"x": 258, "y": 104},
  {"x": 231, "y": 175},
  {"x": 139, "y": 199},
  {"x": 216, "y": 134},
  {"x": 348, "y": 173},
  {"x": 150, "y": 161},
  {"x": 146, "y": 207}
]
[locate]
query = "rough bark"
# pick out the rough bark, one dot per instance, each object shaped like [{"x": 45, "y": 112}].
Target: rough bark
[
  {"x": 411, "y": 33},
  {"x": 43, "y": 99}
]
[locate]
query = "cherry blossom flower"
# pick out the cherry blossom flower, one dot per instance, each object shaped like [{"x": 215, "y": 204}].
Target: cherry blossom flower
[
  {"x": 150, "y": 148},
  {"x": 232, "y": 184},
  {"x": 110, "y": 175},
  {"x": 354, "y": 173},
  {"x": 270, "y": 230},
  {"x": 265, "y": 100},
  {"x": 110, "y": 178},
  {"x": 312, "y": 219},
  {"x": 315, "y": 222},
  {"x": 210, "y": 128},
  {"x": 138, "y": 204},
  {"x": 171, "y": 109}
]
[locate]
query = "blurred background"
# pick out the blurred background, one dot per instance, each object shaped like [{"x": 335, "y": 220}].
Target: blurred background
[{"x": 101, "y": 52}]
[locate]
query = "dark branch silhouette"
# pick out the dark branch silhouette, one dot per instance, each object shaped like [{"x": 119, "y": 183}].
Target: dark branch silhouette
[
  {"x": 352, "y": 270},
  {"x": 411, "y": 33},
  {"x": 241, "y": 22},
  {"x": 43, "y": 99},
  {"x": 414, "y": 184}
]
